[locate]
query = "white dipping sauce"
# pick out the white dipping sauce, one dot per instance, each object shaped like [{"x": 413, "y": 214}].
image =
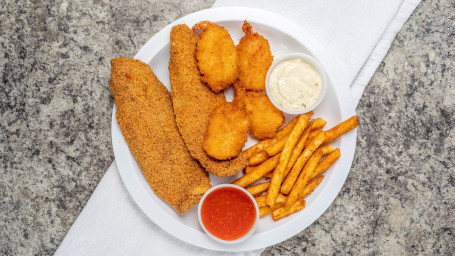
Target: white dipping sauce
[{"x": 295, "y": 84}]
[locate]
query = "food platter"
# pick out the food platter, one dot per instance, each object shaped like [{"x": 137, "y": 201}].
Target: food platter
[{"x": 284, "y": 37}]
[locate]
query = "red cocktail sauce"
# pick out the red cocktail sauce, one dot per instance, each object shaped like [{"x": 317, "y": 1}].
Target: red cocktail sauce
[{"x": 228, "y": 213}]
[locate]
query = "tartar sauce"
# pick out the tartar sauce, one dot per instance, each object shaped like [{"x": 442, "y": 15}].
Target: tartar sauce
[{"x": 295, "y": 84}]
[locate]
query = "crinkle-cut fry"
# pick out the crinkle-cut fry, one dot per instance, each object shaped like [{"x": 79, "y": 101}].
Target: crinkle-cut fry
[
  {"x": 326, "y": 163},
  {"x": 309, "y": 188},
  {"x": 258, "y": 188},
  {"x": 300, "y": 163},
  {"x": 284, "y": 212},
  {"x": 276, "y": 147},
  {"x": 260, "y": 200},
  {"x": 258, "y": 158},
  {"x": 277, "y": 177},
  {"x": 287, "y": 128},
  {"x": 341, "y": 128},
  {"x": 297, "y": 151},
  {"x": 265, "y": 210},
  {"x": 326, "y": 149},
  {"x": 318, "y": 123},
  {"x": 258, "y": 172},
  {"x": 303, "y": 178}
]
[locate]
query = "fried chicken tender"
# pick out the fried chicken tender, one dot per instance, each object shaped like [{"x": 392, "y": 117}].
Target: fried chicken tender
[
  {"x": 264, "y": 117},
  {"x": 194, "y": 102},
  {"x": 216, "y": 56},
  {"x": 255, "y": 59},
  {"x": 146, "y": 118},
  {"x": 227, "y": 129}
]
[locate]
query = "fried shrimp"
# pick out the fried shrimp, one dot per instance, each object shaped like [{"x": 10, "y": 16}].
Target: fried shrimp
[
  {"x": 216, "y": 56},
  {"x": 255, "y": 59},
  {"x": 264, "y": 117},
  {"x": 227, "y": 129}
]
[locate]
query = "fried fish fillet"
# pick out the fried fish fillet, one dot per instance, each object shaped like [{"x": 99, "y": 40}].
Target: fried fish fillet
[
  {"x": 146, "y": 118},
  {"x": 264, "y": 117},
  {"x": 194, "y": 102},
  {"x": 227, "y": 129},
  {"x": 255, "y": 59},
  {"x": 216, "y": 56}
]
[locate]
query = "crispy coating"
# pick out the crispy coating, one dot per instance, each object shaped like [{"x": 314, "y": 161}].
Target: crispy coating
[
  {"x": 146, "y": 119},
  {"x": 194, "y": 102},
  {"x": 227, "y": 129},
  {"x": 255, "y": 59},
  {"x": 216, "y": 56},
  {"x": 264, "y": 117}
]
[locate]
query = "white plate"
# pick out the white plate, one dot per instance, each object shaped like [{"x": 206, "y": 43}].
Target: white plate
[{"x": 284, "y": 36}]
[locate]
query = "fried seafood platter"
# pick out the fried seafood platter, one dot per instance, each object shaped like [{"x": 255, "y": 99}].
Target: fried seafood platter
[{"x": 197, "y": 134}]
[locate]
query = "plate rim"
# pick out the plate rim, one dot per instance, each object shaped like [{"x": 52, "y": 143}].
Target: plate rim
[{"x": 264, "y": 239}]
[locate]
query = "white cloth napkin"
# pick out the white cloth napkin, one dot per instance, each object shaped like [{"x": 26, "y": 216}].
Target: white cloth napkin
[{"x": 357, "y": 33}]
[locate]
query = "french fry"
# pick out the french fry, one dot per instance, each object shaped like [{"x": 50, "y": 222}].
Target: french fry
[
  {"x": 313, "y": 134},
  {"x": 258, "y": 158},
  {"x": 309, "y": 188},
  {"x": 258, "y": 188},
  {"x": 276, "y": 147},
  {"x": 277, "y": 178},
  {"x": 287, "y": 129},
  {"x": 249, "y": 169},
  {"x": 284, "y": 212},
  {"x": 326, "y": 163},
  {"x": 258, "y": 172},
  {"x": 297, "y": 151},
  {"x": 266, "y": 143},
  {"x": 326, "y": 149},
  {"x": 341, "y": 128},
  {"x": 260, "y": 200},
  {"x": 303, "y": 178},
  {"x": 300, "y": 163},
  {"x": 268, "y": 175},
  {"x": 318, "y": 123},
  {"x": 264, "y": 210}
]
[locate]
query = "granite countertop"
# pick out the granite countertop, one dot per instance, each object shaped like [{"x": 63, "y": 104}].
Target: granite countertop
[{"x": 55, "y": 140}]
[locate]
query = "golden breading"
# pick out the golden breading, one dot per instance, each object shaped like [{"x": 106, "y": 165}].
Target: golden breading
[
  {"x": 255, "y": 59},
  {"x": 194, "y": 102},
  {"x": 264, "y": 117},
  {"x": 226, "y": 132},
  {"x": 216, "y": 56},
  {"x": 146, "y": 119},
  {"x": 228, "y": 127}
]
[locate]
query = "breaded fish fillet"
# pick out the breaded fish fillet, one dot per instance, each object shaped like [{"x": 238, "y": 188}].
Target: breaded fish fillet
[
  {"x": 194, "y": 102},
  {"x": 146, "y": 118}
]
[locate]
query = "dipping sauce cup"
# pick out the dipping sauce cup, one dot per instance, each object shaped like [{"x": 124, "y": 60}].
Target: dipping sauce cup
[
  {"x": 228, "y": 213},
  {"x": 296, "y": 83}
]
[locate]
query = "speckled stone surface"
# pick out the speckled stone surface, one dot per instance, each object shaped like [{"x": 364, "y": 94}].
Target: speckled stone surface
[{"x": 55, "y": 113}]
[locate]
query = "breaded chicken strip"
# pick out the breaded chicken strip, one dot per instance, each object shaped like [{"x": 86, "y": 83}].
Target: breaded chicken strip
[
  {"x": 255, "y": 59},
  {"x": 194, "y": 102},
  {"x": 146, "y": 118},
  {"x": 216, "y": 56},
  {"x": 265, "y": 118}
]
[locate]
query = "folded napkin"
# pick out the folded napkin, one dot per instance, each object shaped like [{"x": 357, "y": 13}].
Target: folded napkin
[{"x": 357, "y": 33}]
